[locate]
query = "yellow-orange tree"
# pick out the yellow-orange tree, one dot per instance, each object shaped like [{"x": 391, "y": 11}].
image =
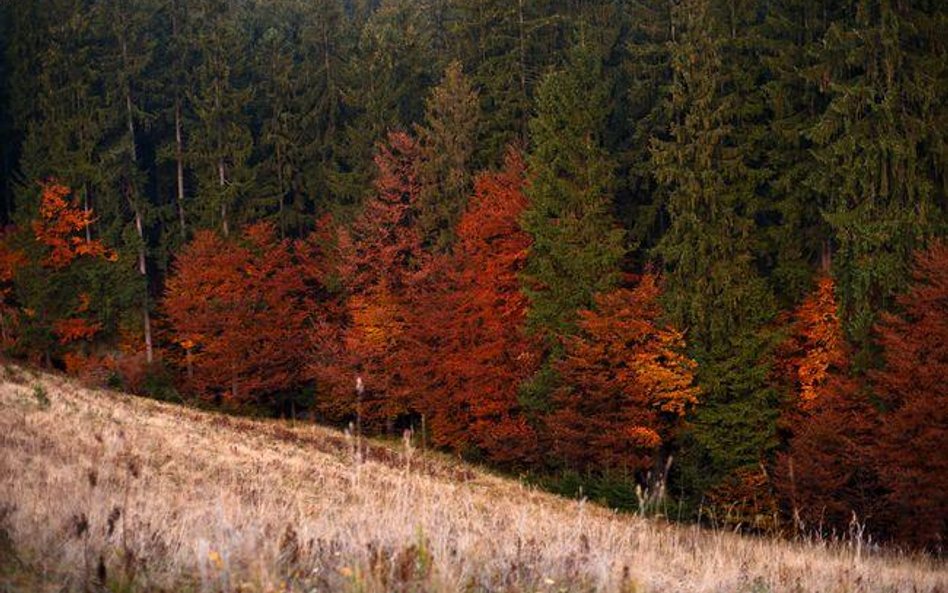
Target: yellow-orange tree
[
  {"x": 626, "y": 383},
  {"x": 52, "y": 268}
]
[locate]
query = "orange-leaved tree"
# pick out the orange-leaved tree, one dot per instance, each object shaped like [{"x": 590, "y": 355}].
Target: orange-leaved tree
[
  {"x": 824, "y": 476},
  {"x": 626, "y": 384},
  {"x": 816, "y": 346},
  {"x": 467, "y": 352},
  {"x": 911, "y": 446},
  {"x": 381, "y": 257},
  {"x": 54, "y": 267},
  {"x": 237, "y": 312}
]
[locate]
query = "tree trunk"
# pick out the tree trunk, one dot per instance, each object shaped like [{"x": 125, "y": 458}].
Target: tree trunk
[
  {"x": 139, "y": 226},
  {"x": 179, "y": 158},
  {"x": 178, "y": 132}
]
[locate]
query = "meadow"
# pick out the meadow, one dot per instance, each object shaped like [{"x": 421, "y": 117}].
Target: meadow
[{"x": 101, "y": 491}]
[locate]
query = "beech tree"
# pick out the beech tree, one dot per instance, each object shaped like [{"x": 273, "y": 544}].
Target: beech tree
[
  {"x": 816, "y": 347},
  {"x": 381, "y": 255},
  {"x": 824, "y": 475},
  {"x": 626, "y": 383},
  {"x": 56, "y": 269},
  {"x": 468, "y": 351},
  {"x": 237, "y": 315},
  {"x": 910, "y": 446}
]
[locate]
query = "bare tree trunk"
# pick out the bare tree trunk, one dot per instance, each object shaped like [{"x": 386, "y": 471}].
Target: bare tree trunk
[
  {"x": 523, "y": 64},
  {"x": 222, "y": 178},
  {"x": 282, "y": 190},
  {"x": 179, "y": 157},
  {"x": 86, "y": 209},
  {"x": 178, "y": 133},
  {"x": 139, "y": 226}
]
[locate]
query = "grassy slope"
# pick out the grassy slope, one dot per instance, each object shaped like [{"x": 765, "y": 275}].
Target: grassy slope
[{"x": 98, "y": 487}]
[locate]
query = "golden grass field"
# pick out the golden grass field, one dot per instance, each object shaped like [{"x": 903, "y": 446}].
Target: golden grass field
[{"x": 101, "y": 491}]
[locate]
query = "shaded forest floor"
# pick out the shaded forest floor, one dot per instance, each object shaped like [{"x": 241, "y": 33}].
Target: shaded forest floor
[{"x": 101, "y": 491}]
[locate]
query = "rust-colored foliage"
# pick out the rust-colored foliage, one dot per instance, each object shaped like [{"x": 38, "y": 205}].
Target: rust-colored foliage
[
  {"x": 75, "y": 329},
  {"x": 381, "y": 260},
  {"x": 816, "y": 346},
  {"x": 745, "y": 499},
  {"x": 824, "y": 477},
  {"x": 384, "y": 245},
  {"x": 60, "y": 227},
  {"x": 911, "y": 448},
  {"x": 626, "y": 383},
  {"x": 11, "y": 260},
  {"x": 238, "y": 311},
  {"x": 467, "y": 353}
]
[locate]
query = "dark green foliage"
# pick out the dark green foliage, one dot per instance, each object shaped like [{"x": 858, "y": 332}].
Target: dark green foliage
[
  {"x": 577, "y": 245},
  {"x": 708, "y": 250},
  {"x": 448, "y": 140},
  {"x": 879, "y": 145}
]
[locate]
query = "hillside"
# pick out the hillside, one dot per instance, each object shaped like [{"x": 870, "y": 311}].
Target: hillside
[{"x": 99, "y": 487}]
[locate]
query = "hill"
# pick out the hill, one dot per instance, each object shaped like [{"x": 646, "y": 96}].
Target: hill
[{"x": 104, "y": 491}]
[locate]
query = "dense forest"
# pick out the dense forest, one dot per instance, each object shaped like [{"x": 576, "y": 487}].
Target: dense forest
[{"x": 684, "y": 256}]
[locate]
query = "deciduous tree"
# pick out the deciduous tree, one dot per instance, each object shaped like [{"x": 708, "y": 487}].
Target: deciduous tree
[{"x": 626, "y": 383}]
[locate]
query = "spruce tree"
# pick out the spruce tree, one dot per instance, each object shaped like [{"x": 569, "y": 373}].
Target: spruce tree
[
  {"x": 713, "y": 290},
  {"x": 448, "y": 140},
  {"x": 577, "y": 246},
  {"x": 222, "y": 141},
  {"x": 878, "y": 148}
]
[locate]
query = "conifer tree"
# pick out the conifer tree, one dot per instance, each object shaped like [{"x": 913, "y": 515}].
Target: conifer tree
[
  {"x": 448, "y": 141},
  {"x": 713, "y": 291},
  {"x": 879, "y": 65},
  {"x": 577, "y": 247},
  {"x": 128, "y": 56},
  {"x": 221, "y": 143}
]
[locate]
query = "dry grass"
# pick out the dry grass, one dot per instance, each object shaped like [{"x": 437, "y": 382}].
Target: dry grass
[{"x": 101, "y": 491}]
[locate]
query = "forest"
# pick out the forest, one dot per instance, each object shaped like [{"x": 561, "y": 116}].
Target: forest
[{"x": 686, "y": 257}]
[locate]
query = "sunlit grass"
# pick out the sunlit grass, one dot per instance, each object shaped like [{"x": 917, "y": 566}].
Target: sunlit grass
[{"x": 104, "y": 491}]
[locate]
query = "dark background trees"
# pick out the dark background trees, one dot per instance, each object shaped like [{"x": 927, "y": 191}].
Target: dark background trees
[{"x": 775, "y": 165}]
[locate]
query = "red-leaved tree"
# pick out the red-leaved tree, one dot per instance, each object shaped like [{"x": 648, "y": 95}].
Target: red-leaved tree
[
  {"x": 824, "y": 477},
  {"x": 381, "y": 258},
  {"x": 626, "y": 383},
  {"x": 237, "y": 309},
  {"x": 911, "y": 447},
  {"x": 466, "y": 352}
]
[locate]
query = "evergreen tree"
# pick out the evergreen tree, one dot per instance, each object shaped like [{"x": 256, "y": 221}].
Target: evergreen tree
[
  {"x": 878, "y": 146},
  {"x": 448, "y": 140},
  {"x": 125, "y": 58},
  {"x": 577, "y": 246},
  {"x": 222, "y": 142},
  {"x": 392, "y": 66},
  {"x": 714, "y": 292}
]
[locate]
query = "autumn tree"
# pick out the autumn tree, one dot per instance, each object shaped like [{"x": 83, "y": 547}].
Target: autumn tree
[
  {"x": 910, "y": 446},
  {"x": 816, "y": 346},
  {"x": 823, "y": 476},
  {"x": 626, "y": 383},
  {"x": 59, "y": 270},
  {"x": 381, "y": 255},
  {"x": 237, "y": 313},
  {"x": 468, "y": 351}
]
